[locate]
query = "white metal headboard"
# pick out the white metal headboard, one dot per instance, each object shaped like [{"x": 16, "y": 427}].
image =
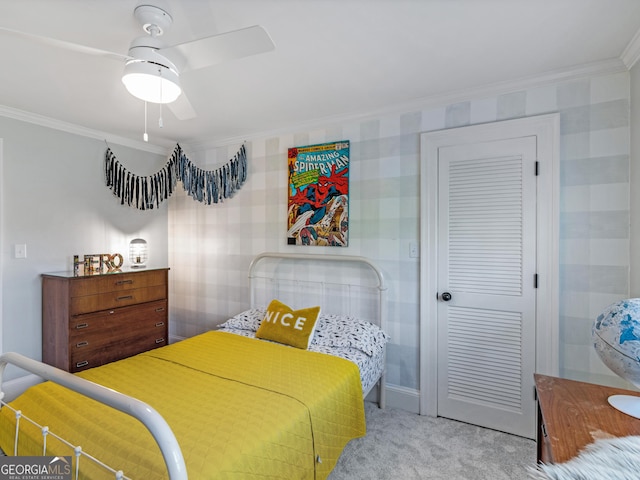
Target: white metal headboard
[
  {"x": 336, "y": 279},
  {"x": 344, "y": 282}
]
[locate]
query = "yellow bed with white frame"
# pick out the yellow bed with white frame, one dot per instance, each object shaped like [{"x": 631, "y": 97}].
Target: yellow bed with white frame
[{"x": 223, "y": 404}]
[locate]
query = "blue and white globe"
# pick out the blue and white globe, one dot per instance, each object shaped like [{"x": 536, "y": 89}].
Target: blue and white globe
[{"x": 616, "y": 338}]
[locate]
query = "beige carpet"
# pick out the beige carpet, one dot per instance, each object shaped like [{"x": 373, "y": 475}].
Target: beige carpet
[{"x": 402, "y": 446}]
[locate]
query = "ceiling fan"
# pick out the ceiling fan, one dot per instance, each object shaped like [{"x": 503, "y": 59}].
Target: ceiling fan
[{"x": 152, "y": 69}]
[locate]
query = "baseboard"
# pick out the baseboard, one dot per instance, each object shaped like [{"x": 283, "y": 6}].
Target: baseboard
[
  {"x": 403, "y": 398},
  {"x": 398, "y": 397},
  {"x": 13, "y": 388}
]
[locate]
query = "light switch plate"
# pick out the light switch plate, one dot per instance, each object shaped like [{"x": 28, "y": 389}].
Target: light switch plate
[
  {"x": 20, "y": 250},
  {"x": 414, "y": 250}
]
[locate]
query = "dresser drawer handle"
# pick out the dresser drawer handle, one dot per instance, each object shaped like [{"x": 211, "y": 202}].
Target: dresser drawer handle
[
  {"x": 160, "y": 309},
  {"x": 159, "y": 340},
  {"x": 82, "y": 344},
  {"x": 123, "y": 282},
  {"x": 160, "y": 324},
  {"x": 82, "y": 325},
  {"x": 82, "y": 364},
  {"x": 125, "y": 297}
]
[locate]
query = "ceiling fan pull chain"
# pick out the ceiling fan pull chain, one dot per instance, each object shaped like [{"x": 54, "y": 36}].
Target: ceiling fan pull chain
[
  {"x": 161, "y": 98},
  {"x": 145, "y": 137}
]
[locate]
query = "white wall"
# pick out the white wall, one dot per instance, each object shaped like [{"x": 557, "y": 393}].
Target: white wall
[{"x": 55, "y": 201}]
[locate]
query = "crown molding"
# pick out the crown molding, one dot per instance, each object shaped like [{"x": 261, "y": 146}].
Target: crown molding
[
  {"x": 72, "y": 128},
  {"x": 606, "y": 67},
  {"x": 631, "y": 53}
]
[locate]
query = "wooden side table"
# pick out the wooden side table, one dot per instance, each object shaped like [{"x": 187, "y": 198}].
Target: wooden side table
[{"x": 573, "y": 414}]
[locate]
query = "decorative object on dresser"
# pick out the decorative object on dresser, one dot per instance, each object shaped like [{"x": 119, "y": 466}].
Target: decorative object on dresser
[
  {"x": 138, "y": 252},
  {"x": 97, "y": 263},
  {"x": 96, "y": 319}
]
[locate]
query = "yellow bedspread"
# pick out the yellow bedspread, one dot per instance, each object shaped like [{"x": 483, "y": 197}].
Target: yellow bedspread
[{"x": 239, "y": 407}]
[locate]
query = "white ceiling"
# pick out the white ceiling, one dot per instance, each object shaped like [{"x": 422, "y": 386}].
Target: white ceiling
[{"x": 333, "y": 58}]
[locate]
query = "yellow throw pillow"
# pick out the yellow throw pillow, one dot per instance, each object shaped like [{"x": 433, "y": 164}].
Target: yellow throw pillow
[{"x": 292, "y": 327}]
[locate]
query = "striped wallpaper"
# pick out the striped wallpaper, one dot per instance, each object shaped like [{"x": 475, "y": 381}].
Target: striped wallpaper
[{"x": 210, "y": 247}]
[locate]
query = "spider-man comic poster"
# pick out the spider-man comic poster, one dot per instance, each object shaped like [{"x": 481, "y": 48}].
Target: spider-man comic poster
[{"x": 319, "y": 195}]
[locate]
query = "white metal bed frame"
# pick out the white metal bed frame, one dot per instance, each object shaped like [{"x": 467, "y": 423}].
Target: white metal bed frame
[
  {"x": 143, "y": 412},
  {"x": 146, "y": 414},
  {"x": 380, "y": 286}
]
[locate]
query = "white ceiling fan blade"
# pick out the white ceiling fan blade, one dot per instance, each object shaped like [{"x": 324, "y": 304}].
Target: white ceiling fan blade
[
  {"x": 74, "y": 47},
  {"x": 182, "y": 108},
  {"x": 220, "y": 48}
]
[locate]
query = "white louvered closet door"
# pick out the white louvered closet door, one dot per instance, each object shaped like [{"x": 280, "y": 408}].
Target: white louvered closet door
[{"x": 486, "y": 263}]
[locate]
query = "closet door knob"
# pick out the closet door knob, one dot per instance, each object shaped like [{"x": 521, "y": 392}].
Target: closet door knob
[{"x": 446, "y": 296}]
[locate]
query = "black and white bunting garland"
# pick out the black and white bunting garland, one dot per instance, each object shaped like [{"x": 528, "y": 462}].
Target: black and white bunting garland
[{"x": 205, "y": 186}]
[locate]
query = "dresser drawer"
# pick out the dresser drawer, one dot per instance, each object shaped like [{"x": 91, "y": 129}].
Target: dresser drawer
[
  {"x": 94, "y": 358},
  {"x": 116, "y": 282},
  {"x": 111, "y": 300},
  {"x": 119, "y": 323},
  {"x": 84, "y": 359},
  {"x": 105, "y": 336}
]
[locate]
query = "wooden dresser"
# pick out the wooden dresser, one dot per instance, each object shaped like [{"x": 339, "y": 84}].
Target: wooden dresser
[
  {"x": 96, "y": 319},
  {"x": 573, "y": 414}
]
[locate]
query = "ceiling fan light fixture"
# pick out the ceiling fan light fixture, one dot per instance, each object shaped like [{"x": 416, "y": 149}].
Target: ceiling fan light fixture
[{"x": 151, "y": 81}]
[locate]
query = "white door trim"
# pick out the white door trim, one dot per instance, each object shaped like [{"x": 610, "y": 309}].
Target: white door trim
[{"x": 547, "y": 129}]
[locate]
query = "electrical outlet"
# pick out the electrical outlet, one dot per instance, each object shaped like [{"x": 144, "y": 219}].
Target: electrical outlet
[
  {"x": 414, "y": 251},
  {"x": 20, "y": 250}
]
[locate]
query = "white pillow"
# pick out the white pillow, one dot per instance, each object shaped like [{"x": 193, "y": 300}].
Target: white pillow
[
  {"x": 247, "y": 320},
  {"x": 348, "y": 331}
]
